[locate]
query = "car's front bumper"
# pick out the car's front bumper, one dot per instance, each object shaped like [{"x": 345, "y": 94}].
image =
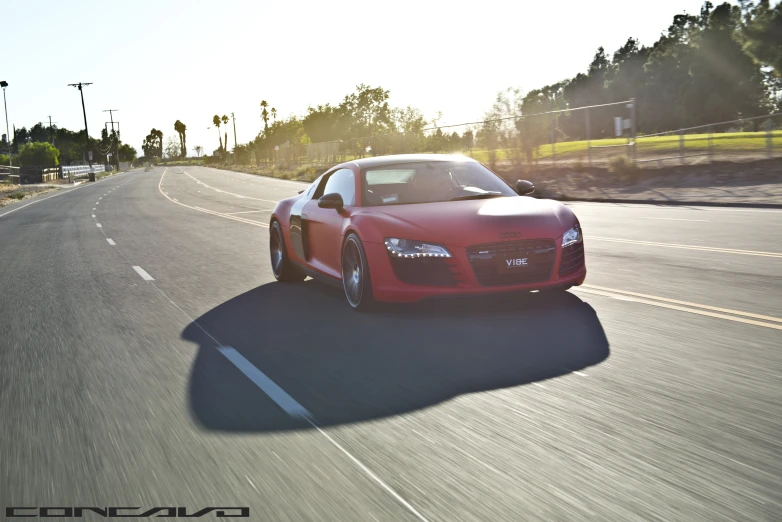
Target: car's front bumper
[{"x": 387, "y": 286}]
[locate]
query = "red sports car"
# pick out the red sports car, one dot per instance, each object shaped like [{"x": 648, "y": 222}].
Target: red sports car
[{"x": 408, "y": 227}]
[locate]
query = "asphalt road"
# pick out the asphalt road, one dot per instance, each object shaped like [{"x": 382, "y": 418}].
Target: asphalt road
[{"x": 148, "y": 358}]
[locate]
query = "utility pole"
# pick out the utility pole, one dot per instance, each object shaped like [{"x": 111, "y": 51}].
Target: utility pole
[
  {"x": 234, "y": 120},
  {"x": 116, "y": 140},
  {"x": 4, "y": 84},
  {"x": 86, "y": 131}
]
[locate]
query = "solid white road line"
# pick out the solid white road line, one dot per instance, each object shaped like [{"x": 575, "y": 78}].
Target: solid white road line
[
  {"x": 246, "y": 212},
  {"x": 111, "y": 241},
  {"x": 677, "y": 219},
  {"x": 689, "y": 247},
  {"x": 269, "y": 387},
  {"x": 226, "y": 192},
  {"x": 369, "y": 472},
  {"x": 144, "y": 275},
  {"x": 663, "y": 304},
  {"x": 686, "y": 303}
]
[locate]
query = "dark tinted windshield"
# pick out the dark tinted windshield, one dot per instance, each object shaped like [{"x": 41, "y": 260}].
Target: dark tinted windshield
[{"x": 430, "y": 181}]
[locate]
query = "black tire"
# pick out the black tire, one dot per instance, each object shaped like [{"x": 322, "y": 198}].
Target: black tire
[
  {"x": 355, "y": 275},
  {"x": 282, "y": 267}
]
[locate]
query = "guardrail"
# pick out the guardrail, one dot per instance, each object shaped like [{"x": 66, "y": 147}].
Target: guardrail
[
  {"x": 5, "y": 169},
  {"x": 76, "y": 171}
]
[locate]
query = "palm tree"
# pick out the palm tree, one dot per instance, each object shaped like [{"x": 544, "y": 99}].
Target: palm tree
[
  {"x": 274, "y": 115},
  {"x": 216, "y": 122},
  {"x": 181, "y": 129},
  {"x": 265, "y": 116},
  {"x": 225, "y": 122},
  {"x": 198, "y": 149}
]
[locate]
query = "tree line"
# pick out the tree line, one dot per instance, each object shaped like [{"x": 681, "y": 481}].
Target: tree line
[
  {"x": 47, "y": 146},
  {"x": 721, "y": 64}
]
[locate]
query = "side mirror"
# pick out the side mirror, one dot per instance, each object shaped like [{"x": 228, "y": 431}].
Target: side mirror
[
  {"x": 333, "y": 200},
  {"x": 524, "y": 187}
]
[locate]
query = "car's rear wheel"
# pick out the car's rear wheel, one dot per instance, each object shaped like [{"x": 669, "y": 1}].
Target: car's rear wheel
[
  {"x": 282, "y": 267},
  {"x": 355, "y": 275}
]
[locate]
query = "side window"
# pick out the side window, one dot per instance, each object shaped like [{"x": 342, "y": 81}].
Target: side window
[
  {"x": 313, "y": 187},
  {"x": 343, "y": 182}
]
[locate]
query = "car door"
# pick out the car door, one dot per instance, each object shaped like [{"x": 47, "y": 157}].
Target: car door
[
  {"x": 324, "y": 225},
  {"x": 298, "y": 225}
]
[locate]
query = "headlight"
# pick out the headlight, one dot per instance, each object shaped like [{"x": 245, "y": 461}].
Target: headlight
[
  {"x": 408, "y": 248},
  {"x": 572, "y": 236}
]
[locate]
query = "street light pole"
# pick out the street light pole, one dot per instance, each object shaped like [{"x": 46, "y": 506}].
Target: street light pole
[
  {"x": 84, "y": 111},
  {"x": 4, "y": 84},
  {"x": 235, "y": 145}
]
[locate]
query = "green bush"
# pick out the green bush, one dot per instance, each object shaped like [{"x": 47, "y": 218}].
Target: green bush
[
  {"x": 39, "y": 154},
  {"x": 3, "y": 159}
]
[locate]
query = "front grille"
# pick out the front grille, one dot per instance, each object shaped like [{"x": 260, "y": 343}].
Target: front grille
[
  {"x": 572, "y": 258},
  {"x": 423, "y": 271},
  {"x": 489, "y": 262}
]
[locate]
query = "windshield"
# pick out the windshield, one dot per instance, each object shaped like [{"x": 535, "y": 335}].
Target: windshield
[{"x": 431, "y": 181}]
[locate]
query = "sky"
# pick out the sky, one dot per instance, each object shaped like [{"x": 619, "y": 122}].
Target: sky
[{"x": 157, "y": 61}]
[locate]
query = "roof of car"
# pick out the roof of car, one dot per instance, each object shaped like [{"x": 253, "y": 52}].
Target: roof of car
[{"x": 376, "y": 161}]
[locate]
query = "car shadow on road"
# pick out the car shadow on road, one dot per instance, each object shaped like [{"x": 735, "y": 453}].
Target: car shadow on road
[{"x": 345, "y": 367}]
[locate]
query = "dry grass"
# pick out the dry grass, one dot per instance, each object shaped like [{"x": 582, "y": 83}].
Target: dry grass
[{"x": 12, "y": 193}]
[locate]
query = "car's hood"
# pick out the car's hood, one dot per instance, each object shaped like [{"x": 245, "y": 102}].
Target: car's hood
[{"x": 469, "y": 222}]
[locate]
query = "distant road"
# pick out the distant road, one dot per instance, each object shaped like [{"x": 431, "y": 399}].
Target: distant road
[{"x": 148, "y": 358}]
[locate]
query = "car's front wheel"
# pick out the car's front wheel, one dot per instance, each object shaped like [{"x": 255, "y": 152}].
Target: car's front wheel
[
  {"x": 355, "y": 275},
  {"x": 282, "y": 267}
]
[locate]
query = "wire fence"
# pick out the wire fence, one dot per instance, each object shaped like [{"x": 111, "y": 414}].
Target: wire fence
[{"x": 602, "y": 135}]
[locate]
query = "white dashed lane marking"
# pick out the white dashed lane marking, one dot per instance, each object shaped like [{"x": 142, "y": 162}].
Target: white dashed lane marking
[
  {"x": 269, "y": 387},
  {"x": 144, "y": 275},
  {"x": 111, "y": 241},
  {"x": 99, "y": 225}
]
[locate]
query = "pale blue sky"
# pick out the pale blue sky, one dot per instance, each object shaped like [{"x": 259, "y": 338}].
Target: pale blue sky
[{"x": 158, "y": 61}]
